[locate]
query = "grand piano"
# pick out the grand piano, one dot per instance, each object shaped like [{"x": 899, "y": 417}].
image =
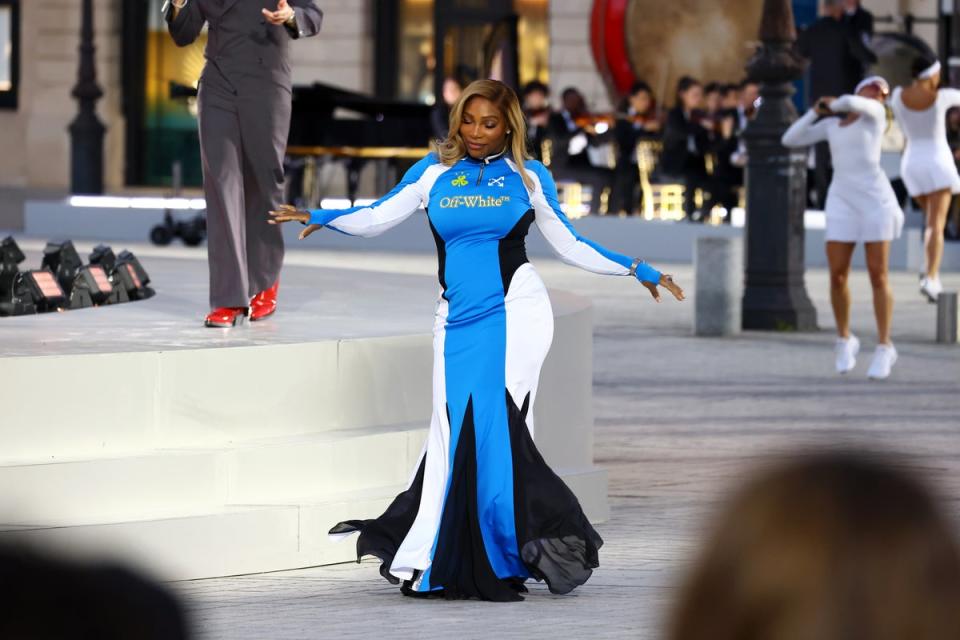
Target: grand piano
[{"x": 388, "y": 131}]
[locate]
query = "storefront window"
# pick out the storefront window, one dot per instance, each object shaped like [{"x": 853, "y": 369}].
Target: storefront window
[
  {"x": 533, "y": 40},
  {"x": 170, "y": 117},
  {"x": 470, "y": 50},
  {"x": 417, "y": 60}
]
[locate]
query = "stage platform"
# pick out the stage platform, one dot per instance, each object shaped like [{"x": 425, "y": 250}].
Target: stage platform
[{"x": 134, "y": 432}]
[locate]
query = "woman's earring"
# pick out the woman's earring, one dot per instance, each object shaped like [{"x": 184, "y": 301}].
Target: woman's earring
[{"x": 509, "y": 132}]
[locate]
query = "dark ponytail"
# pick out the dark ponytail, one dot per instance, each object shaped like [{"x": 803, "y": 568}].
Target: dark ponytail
[{"x": 920, "y": 64}]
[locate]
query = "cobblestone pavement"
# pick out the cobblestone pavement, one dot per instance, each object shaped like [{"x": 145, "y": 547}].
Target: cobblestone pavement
[{"x": 678, "y": 420}]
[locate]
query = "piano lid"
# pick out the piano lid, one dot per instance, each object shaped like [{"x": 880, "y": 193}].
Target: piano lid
[
  {"x": 324, "y": 97},
  {"x": 388, "y": 123},
  {"x": 320, "y": 98}
]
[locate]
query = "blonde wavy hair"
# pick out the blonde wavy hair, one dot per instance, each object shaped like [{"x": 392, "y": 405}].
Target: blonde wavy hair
[{"x": 453, "y": 149}]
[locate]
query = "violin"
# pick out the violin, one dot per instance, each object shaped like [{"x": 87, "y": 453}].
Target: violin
[
  {"x": 539, "y": 111},
  {"x": 593, "y": 119}
]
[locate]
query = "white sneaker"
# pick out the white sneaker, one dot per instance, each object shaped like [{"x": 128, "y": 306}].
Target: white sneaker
[
  {"x": 883, "y": 359},
  {"x": 846, "y": 351},
  {"x": 931, "y": 288}
]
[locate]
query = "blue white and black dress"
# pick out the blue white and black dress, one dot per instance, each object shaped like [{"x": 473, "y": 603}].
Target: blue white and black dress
[{"x": 483, "y": 512}]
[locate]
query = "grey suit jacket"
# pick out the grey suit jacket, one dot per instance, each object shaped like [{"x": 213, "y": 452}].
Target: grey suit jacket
[{"x": 243, "y": 49}]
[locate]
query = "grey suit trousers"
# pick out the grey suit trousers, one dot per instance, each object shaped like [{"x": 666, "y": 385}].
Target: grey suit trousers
[
  {"x": 242, "y": 142},
  {"x": 244, "y": 101}
]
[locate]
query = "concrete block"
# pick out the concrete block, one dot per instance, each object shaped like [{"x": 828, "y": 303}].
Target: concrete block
[
  {"x": 947, "y": 317},
  {"x": 913, "y": 241},
  {"x": 563, "y": 411},
  {"x": 718, "y": 264}
]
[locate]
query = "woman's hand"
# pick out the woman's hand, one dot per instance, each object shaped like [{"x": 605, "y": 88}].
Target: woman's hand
[
  {"x": 310, "y": 228},
  {"x": 289, "y": 213},
  {"x": 823, "y": 106},
  {"x": 666, "y": 281}
]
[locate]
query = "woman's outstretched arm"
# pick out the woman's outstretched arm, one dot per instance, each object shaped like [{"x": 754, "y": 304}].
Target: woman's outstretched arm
[
  {"x": 578, "y": 251},
  {"x": 950, "y": 96},
  {"x": 373, "y": 219},
  {"x": 805, "y": 131},
  {"x": 868, "y": 107}
]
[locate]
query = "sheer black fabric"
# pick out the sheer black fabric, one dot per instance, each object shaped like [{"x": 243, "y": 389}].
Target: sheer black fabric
[
  {"x": 557, "y": 542},
  {"x": 382, "y": 536}
]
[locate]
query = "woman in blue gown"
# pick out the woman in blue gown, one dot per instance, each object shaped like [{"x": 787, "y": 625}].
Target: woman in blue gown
[{"x": 483, "y": 512}]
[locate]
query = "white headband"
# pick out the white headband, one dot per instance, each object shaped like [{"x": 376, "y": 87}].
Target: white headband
[
  {"x": 930, "y": 71},
  {"x": 877, "y": 80}
]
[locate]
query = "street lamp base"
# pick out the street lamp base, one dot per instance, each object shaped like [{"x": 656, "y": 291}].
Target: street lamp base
[{"x": 778, "y": 308}]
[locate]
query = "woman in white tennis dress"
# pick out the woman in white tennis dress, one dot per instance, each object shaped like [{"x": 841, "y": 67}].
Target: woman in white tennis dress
[
  {"x": 861, "y": 207},
  {"x": 927, "y": 167}
]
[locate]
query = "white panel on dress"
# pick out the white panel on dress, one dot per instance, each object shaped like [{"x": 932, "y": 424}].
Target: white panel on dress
[{"x": 414, "y": 552}]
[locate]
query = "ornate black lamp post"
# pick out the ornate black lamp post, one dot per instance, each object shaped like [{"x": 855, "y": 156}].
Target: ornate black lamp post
[
  {"x": 774, "y": 295},
  {"x": 86, "y": 130}
]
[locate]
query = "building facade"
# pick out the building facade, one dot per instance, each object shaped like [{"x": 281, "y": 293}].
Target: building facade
[{"x": 41, "y": 38}]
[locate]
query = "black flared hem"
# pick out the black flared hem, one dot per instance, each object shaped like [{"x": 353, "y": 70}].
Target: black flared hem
[{"x": 557, "y": 543}]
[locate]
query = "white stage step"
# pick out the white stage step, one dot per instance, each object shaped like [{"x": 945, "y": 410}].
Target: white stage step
[
  {"x": 160, "y": 448},
  {"x": 244, "y": 539},
  {"x": 283, "y": 471}
]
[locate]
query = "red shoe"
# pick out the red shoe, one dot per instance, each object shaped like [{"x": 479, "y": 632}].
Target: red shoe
[
  {"x": 226, "y": 317},
  {"x": 264, "y": 303}
]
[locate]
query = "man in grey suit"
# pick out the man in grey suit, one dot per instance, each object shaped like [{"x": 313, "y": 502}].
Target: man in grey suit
[{"x": 244, "y": 105}]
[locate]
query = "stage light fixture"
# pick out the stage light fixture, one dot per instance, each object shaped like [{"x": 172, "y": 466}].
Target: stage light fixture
[
  {"x": 16, "y": 298},
  {"x": 103, "y": 256},
  {"x": 90, "y": 288},
  {"x": 131, "y": 275},
  {"x": 10, "y": 258},
  {"x": 63, "y": 260},
  {"x": 46, "y": 292}
]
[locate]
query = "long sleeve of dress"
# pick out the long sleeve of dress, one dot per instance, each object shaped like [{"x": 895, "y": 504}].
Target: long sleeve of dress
[
  {"x": 950, "y": 97},
  {"x": 308, "y": 18},
  {"x": 867, "y": 107},
  {"x": 570, "y": 246},
  {"x": 384, "y": 214},
  {"x": 805, "y": 131},
  {"x": 187, "y": 25}
]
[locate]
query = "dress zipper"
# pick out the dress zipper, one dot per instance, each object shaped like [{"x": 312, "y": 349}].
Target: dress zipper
[{"x": 485, "y": 162}]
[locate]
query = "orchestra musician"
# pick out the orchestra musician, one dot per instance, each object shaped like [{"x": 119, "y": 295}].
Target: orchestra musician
[
  {"x": 536, "y": 107},
  {"x": 637, "y": 120},
  {"x": 686, "y": 140},
  {"x": 571, "y": 131}
]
